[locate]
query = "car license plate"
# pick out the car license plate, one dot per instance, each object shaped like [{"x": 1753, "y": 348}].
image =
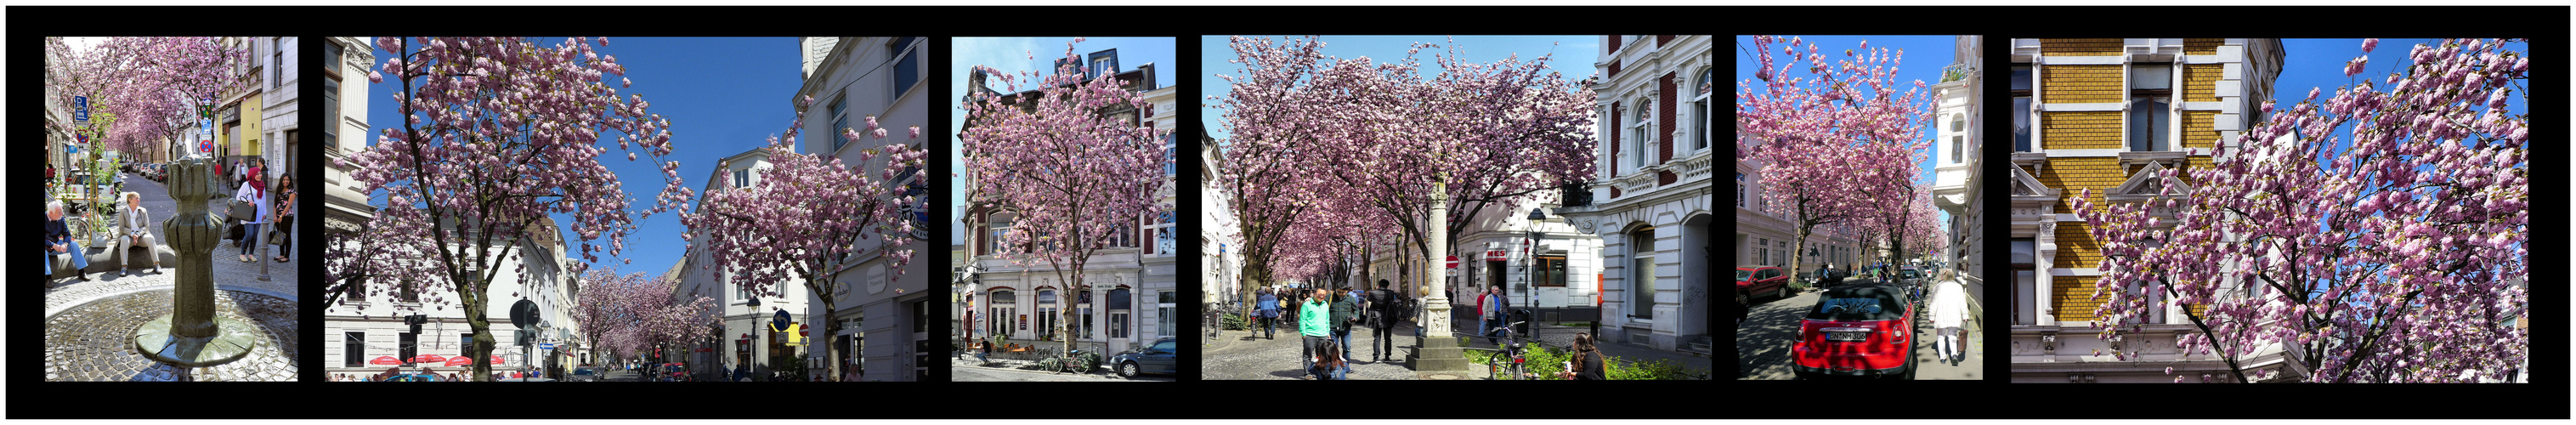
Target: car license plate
[{"x": 1846, "y": 334}]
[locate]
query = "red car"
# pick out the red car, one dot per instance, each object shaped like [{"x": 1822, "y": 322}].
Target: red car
[
  {"x": 1856, "y": 331},
  {"x": 1751, "y": 280}
]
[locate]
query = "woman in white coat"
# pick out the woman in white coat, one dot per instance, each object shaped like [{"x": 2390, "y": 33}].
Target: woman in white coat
[
  {"x": 251, "y": 192},
  {"x": 1949, "y": 308}
]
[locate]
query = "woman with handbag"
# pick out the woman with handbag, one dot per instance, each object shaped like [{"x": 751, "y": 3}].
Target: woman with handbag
[
  {"x": 284, "y": 236},
  {"x": 256, "y": 200}
]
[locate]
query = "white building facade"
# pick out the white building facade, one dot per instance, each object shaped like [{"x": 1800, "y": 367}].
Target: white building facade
[
  {"x": 885, "y": 326},
  {"x": 1130, "y": 294},
  {"x": 1958, "y": 184},
  {"x": 369, "y": 327},
  {"x": 1652, "y": 202},
  {"x": 345, "y": 207}
]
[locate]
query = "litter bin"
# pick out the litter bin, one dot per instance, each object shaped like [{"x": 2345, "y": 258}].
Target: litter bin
[{"x": 1521, "y": 318}]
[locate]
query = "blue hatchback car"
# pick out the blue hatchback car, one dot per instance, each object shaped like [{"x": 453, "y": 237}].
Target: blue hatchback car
[{"x": 1157, "y": 358}]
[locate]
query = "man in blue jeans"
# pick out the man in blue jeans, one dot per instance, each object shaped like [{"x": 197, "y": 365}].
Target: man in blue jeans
[
  {"x": 1269, "y": 307},
  {"x": 1491, "y": 307},
  {"x": 1315, "y": 324},
  {"x": 58, "y": 241}
]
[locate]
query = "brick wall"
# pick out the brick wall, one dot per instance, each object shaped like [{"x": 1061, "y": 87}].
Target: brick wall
[
  {"x": 2080, "y": 47},
  {"x": 2073, "y": 298},
  {"x": 2081, "y": 84},
  {"x": 2198, "y": 130},
  {"x": 2201, "y": 46},
  {"x": 2080, "y": 130},
  {"x": 2073, "y": 175},
  {"x": 2200, "y": 82}
]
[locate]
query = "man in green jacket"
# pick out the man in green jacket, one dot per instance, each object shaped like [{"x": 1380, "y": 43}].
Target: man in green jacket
[{"x": 1314, "y": 324}]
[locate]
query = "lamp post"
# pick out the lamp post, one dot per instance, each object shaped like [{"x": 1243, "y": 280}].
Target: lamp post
[{"x": 1529, "y": 301}]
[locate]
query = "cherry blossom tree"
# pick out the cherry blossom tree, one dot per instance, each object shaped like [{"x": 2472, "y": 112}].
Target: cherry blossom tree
[
  {"x": 2377, "y": 236},
  {"x": 497, "y": 133},
  {"x": 1836, "y": 144},
  {"x": 1073, "y": 176},
  {"x": 629, "y": 314},
  {"x": 808, "y": 213},
  {"x": 1376, "y": 135}
]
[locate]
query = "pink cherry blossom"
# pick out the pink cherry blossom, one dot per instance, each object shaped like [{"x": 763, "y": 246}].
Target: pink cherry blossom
[
  {"x": 2391, "y": 251},
  {"x": 1841, "y": 149}
]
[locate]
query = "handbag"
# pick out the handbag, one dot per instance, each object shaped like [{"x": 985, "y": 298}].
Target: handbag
[{"x": 244, "y": 211}]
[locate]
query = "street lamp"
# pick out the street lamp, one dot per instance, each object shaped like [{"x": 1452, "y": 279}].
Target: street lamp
[{"x": 1536, "y": 214}]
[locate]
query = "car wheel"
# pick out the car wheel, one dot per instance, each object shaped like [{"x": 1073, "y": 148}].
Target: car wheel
[
  {"x": 1127, "y": 370},
  {"x": 1911, "y": 364},
  {"x": 1782, "y": 293}
]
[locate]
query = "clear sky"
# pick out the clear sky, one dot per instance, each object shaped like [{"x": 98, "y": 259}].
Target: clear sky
[
  {"x": 1013, "y": 55},
  {"x": 1924, "y": 58},
  {"x": 723, "y": 96},
  {"x": 1573, "y": 55}
]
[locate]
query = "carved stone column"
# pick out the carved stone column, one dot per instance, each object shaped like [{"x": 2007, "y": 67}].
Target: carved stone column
[{"x": 193, "y": 335}]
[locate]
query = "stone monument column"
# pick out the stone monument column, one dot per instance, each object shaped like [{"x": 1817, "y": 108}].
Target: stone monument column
[
  {"x": 192, "y": 335},
  {"x": 1438, "y": 352}
]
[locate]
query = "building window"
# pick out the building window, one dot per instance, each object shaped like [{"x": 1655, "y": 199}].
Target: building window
[
  {"x": 995, "y": 235},
  {"x": 2021, "y": 108},
  {"x": 465, "y": 344},
  {"x": 742, "y": 177},
  {"x": 1641, "y": 273},
  {"x": 840, "y": 120},
  {"x": 1699, "y": 108},
  {"x": 1118, "y": 325},
  {"x": 276, "y": 61},
  {"x": 331, "y": 102},
  {"x": 1958, "y": 136},
  {"x": 2025, "y": 281},
  {"x": 1640, "y": 135},
  {"x": 1086, "y": 322},
  {"x": 906, "y": 67},
  {"x": 998, "y": 319},
  {"x": 2150, "y": 107},
  {"x": 1170, "y": 167},
  {"x": 1551, "y": 271},
  {"x": 331, "y": 52},
  {"x": 1164, "y": 239},
  {"x": 1163, "y": 304},
  {"x": 410, "y": 346},
  {"x": 1103, "y": 63},
  {"x": 353, "y": 350},
  {"x": 1739, "y": 189}
]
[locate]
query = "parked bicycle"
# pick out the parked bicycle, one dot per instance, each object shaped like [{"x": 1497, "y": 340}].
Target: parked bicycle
[{"x": 1076, "y": 361}]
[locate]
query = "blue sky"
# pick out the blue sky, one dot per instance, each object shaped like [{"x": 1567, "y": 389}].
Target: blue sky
[
  {"x": 723, "y": 96},
  {"x": 1573, "y": 57},
  {"x": 1924, "y": 58},
  {"x": 2318, "y": 63},
  {"x": 1013, "y": 55}
]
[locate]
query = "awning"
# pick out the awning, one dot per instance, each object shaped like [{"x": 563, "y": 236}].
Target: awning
[{"x": 385, "y": 360}]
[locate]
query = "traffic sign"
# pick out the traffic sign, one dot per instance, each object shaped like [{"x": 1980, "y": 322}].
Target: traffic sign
[
  {"x": 1453, "y": 262},
  {"x": 80, "y": 109},
  {"x": 548, "y": 346},
  {"x": 206, "y": 146}
]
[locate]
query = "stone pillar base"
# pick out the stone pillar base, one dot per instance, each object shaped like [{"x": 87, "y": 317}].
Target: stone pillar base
[
  {"x": 1437, "y": 355},
  {"x": 233, "y": 339}
]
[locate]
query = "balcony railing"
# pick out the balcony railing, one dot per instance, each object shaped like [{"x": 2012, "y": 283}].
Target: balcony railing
[{"x": 1955, "y": 72}]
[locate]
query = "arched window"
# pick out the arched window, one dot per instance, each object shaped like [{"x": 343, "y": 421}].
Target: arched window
[{"x": 1699, "y": 109}]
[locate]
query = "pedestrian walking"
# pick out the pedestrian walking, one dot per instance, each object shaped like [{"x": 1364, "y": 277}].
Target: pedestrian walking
[
  {"x": 1949, "y": 308},
  {"x": 1587, "y": 362},
  {"x": 1382, "y": 308},
  {"x": 1346, "y": 314},
  {"x": 1316, "y": 328},
  {"x": 1269, "y": 306},
  {"x": 1491, "y": 307}
]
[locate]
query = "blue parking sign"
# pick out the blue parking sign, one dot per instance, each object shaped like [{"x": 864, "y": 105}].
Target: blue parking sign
[{"x": 80, "y": 108}]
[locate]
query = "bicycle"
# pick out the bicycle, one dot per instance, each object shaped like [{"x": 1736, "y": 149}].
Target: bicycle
[{"x": 1512, "y": 355}]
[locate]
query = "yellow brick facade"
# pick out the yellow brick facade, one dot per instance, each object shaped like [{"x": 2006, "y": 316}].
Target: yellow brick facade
[
  {"x": 2081, "y": 84},
  {"x": 2080, "y": 130},
  {"x": 2200, "y": 82},
  {"x": 2076, "y": 174},
  {"x": 2076, "y": 248},
  {"x": 2201, "y": 46},
  {"x": 2198, "y": 130},
  {"x": 2080, "y": 47},
  {"x": 2072, "y": 297}
]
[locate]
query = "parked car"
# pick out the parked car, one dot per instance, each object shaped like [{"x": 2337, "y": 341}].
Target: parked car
[
  {"x": 1863, "y": 330},
  {"x": 584, "y": 374},
  {"x": 1910, "y": 275},
  {"x": 1751, "y": 280},
  {"x": 1156, "y": 358}
]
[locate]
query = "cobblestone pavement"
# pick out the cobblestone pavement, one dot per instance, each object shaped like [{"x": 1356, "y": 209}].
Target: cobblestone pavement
[
  {"x": 1243, "y": 357},
  {"x": 88, "y": 324},
  {"x": 94, "y": 341}
]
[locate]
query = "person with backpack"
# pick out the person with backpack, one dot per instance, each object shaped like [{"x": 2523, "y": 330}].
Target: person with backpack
[
  {"x": 1382, "y": 310},
  {"x": 1269, "y": 306}
]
